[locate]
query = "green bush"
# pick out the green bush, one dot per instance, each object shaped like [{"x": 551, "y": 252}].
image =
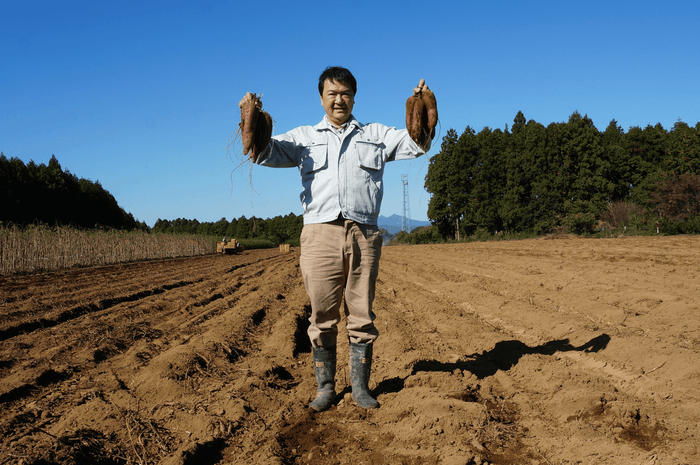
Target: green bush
[
  {"x": 580, "y": 223},
  {"x": 689, "y": 226},
  {"x": 482, "y": 235},
  {"x": 425, "y": 235},
  {"x": 422, "y": 235}
]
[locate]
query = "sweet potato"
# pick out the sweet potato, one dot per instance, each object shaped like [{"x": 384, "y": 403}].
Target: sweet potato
[
  {"x": 263, "y": 134},
  {"x": 250, "y": 111},
  {"x": 414, "y": 108},
  {"x": 421, "y": 114},
  {"x": 428, "y": 97},
  {"x": 410, "y": 103},
  {"x": 419, "y": 117}
]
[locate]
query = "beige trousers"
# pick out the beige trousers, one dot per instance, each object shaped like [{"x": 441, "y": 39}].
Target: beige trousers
[{"x": 340, "y": 263}]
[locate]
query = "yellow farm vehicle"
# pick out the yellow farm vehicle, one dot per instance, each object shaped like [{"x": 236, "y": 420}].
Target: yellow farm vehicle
[{"x": 229, "y": 246}]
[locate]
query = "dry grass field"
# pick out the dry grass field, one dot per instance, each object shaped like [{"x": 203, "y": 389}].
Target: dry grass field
[
  {"x": 546, "y": 351},
  {"x": 41, "y": 248}
]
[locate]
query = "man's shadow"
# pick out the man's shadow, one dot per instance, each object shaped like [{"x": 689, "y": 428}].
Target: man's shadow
[{"x": 503, "y": 356}]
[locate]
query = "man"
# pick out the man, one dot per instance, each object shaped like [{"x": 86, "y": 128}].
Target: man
[{"x": 341, "y": 162}]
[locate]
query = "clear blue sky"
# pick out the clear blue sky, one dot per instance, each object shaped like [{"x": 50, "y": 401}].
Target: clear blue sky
[{"x": 143, "y": 95}]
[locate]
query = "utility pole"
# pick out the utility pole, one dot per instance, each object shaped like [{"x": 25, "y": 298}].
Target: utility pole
[{"x": 406, "y": 220}]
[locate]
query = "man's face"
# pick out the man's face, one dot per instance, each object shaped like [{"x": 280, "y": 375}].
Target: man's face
[{"x": 337, "y": 99}]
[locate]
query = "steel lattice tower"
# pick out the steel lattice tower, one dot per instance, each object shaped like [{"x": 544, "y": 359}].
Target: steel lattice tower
[{"x": 406, "y": 220}]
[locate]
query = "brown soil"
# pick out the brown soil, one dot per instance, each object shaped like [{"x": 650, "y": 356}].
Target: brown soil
[{"x": 562, "y": 351}]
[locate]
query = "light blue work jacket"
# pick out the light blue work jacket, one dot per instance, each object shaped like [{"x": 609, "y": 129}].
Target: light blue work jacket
[{"x": 341, "y": 170}]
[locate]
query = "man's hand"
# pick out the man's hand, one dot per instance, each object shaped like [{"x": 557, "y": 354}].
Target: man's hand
[
  {"x": 250, "y": 97},
  {"x": 421, "y": 87}
]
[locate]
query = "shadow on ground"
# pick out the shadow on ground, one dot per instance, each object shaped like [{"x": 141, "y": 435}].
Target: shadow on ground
[{"x": 504, "y": 356}]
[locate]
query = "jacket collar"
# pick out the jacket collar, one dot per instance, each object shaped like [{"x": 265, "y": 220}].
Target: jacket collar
[{"x": 326, "y": 125}]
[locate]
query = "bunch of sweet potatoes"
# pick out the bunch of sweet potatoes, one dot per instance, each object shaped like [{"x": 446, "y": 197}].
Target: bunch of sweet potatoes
[
  {"x": 255, "y": 126},
  {"x": 421, "y": 114}
]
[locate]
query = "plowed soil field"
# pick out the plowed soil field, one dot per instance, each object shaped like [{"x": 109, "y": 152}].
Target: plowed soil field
[{"x": 546, "y": 351}]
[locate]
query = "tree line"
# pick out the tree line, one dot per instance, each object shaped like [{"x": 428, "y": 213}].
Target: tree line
[
  {"x": 277, "y": 230},
  {"x": 529, "y": 178},
  {"x": 46, "y": 194},
  {"x": 533, "y": 178}
]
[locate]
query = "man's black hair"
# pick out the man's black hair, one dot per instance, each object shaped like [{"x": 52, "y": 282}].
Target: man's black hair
[{"x": 337, "y": 74}]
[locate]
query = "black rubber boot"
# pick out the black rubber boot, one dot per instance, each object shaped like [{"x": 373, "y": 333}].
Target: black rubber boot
[
  {"x": 360, "y": 369},
  {"x": 324, "y": 367}
]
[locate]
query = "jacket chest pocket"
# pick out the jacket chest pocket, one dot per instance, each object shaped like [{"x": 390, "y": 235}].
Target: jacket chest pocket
[
  {"x": 315, "y": 159},
  {"x": 367, "y": 189},
  {"x": 370, "y": 154}
]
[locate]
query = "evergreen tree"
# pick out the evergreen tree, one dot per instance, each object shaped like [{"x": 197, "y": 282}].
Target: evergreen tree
[
  {"x": 519, "y": 171},
  {"x": 621, "y": 167},
  {"x": 683, "y": 150},
  {"x": 219, "y": 228},
  {"x": 590, "y": 187},
  {"x": 437, "y": 182},
  {"x": 449, "y": 179},
  {"x": 646, "y": 149},
  {"x": 489, "y": 179},
  {"x": 539, "y": 214},
  {"x": 232, "y": 229}
]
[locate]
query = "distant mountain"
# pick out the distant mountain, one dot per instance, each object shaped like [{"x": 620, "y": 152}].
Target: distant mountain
[{"x": 393, "y": 223}]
